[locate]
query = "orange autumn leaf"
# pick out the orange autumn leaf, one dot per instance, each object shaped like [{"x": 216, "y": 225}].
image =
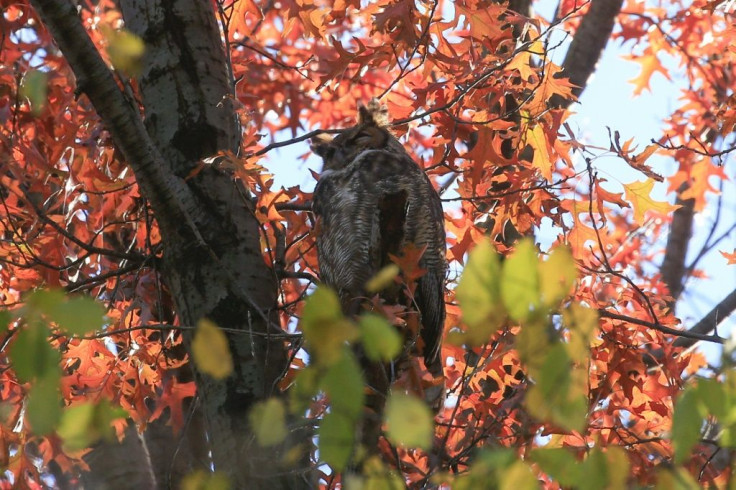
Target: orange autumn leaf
[{"x": 731, "y": 257}]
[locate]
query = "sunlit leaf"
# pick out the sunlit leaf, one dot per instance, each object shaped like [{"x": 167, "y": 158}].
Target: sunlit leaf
[
  {"x": 409, "y": 421},
  {"x": 639, "y": 194},
  {"x": 557, "y": 275},
  {"x": 582, "y": 322},
  {"x": 268, "y": 421},
  {"x": 381, "y": 340},
  {"x": 210, "y": 350},
  {"x": 479, "y": 295},
  {"x": 520, "y": 282}
]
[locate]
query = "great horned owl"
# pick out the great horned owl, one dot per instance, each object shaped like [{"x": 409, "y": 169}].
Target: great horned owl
[{"x": 373, "y": 200}]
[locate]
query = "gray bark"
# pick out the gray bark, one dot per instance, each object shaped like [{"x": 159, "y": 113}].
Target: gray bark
[
  {"x": 212, "y": 259},
  {"x": 678, "y": 239},
  {"x": 123, "y": 466}
]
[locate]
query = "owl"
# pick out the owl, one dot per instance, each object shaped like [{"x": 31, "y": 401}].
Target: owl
[{"x": 372, "y": 201}]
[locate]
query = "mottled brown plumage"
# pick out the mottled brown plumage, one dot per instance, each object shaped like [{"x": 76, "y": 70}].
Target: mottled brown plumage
[{"x": 373, "y": 200}]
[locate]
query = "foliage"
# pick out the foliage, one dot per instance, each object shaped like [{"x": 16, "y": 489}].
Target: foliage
[{"x": 562, "y": 360}]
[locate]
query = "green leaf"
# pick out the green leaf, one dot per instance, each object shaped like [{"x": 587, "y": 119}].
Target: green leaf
[
  {"x": 381, "y": 340},
  {"x": 325, "y": 329},
  {"x": 686, "y": 425},
  {"x": 554, "y": 396},
  {"x": 520, "y": 282},
  {"x": 78, "y": 315},
  {"x": 618, "y": 468},
  {"x": 336, "y": 436},
  {"x": 44, "y": 404},
  {"x": 560, "y": 464},
  {"x": 557, "y": 275},
  {"x": 343, "y": 383},
  {"x": 35, "y": 88},
  {"x": 518, "y": 477},
  {"x": 483, "y": 473},
  {"x": 210, "y": 350},
  {"x": 582, "y": 322},
  {"x": 377, "y": 476},
  {"x": 85, "y": 424},
  {"x": 203, "y": 480},
  {"x": 268, "y": 420},
  {"x": 409, "y": 421},
  {"x": 32, "y": 356},
  {"x": 676, "y": 479},
  {"x": 5, "y": 319},
  {"x": 479, "y": 294},
  {"x": 595, "y": 471}
]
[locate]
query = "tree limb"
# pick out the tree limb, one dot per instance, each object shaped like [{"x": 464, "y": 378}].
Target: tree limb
[{"x": 710, "y": 321}]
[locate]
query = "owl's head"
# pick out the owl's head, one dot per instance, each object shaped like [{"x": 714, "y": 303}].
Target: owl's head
[{"x": 371, "y": 132}]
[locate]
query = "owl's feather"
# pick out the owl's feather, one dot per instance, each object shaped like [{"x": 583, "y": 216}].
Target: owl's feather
[{"x": 373, "y": 200}]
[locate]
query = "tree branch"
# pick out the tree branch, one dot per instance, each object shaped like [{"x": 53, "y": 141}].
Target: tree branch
[{"x": 710, "y": 321}]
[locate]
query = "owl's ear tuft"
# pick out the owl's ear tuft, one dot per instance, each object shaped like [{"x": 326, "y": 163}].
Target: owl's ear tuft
[
  {"x": 373, "y": 113},
  {"x": 320, "y": 144}
]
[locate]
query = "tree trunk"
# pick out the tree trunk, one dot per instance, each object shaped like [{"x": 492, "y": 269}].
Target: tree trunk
[{"x": 212, "y": 260}]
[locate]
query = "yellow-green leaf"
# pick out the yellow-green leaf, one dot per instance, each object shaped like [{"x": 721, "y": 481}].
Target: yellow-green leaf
[
  {"x": 520, "y": 282},
  {"x": 210, "y": 350},
  {"x": 203, "y": 480},
  {"x": 409, "y": 421},
  {"x": 676, "y": 479},
  {"x": 582, "y": 322},
  {"x": 381, "y": 340},
  {"x": 34, "y": 87},
  {"x": 125, "y": 50},
  {"x": 83, "y": 425},
  {"x": 686, "y": 424},
  {"x": 44, "y": 404},
  {"x": 479, "y": 295},
  {"x": 268, "y": 421},
  {"x": 557, "y": 275},
  {"x": 325, "y": 329},
  {"x": 518, "y": 477},
  {"x": 31, "y": 355},
  {"x": 343, "y": 382},
  {"x": 336, "y": 436},
  {"x": 383, "y": 279}
]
